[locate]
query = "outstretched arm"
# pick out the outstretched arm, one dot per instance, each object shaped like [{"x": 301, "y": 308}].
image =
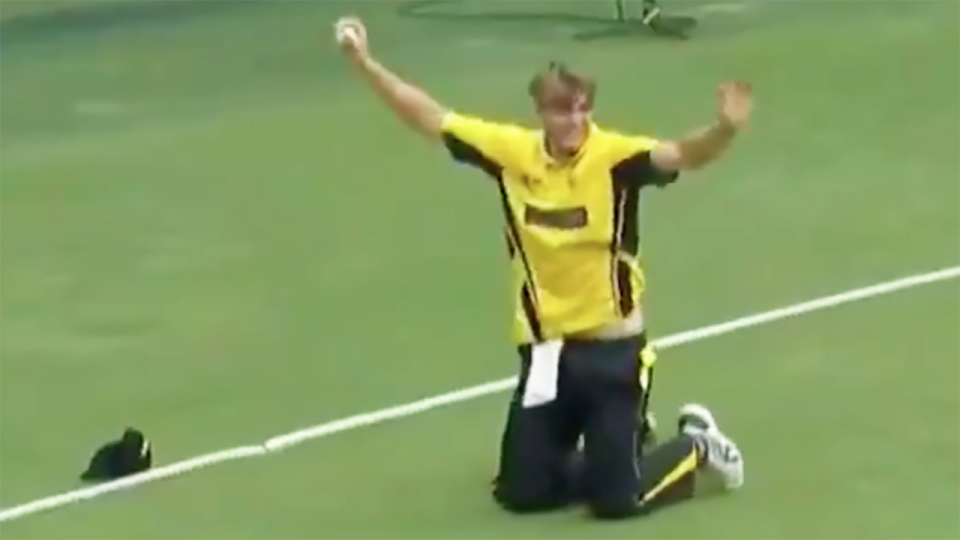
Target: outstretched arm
[
  {"x": 413, "y": 106},
  {"x": 708, "y": 143}
]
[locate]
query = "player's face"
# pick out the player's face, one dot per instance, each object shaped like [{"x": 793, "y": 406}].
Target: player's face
[{"x": 566, "y": 122}]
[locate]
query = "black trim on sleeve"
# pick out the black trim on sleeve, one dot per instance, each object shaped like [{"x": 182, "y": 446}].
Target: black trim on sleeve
[
  {"x": 468, "y": 154},
  {"x": 639, "y": 171}
]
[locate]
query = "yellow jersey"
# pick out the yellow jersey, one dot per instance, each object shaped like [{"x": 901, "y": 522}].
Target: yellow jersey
[{"x": 571, "y": 227}]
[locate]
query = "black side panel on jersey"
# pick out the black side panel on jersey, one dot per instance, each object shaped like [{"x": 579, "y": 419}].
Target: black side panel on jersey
[
  {"x": 528, "y": 298},
  {"x": 626, "y": 240},
  {"x": 464, "y": 152},
  {"x": 627, "y": 178}
]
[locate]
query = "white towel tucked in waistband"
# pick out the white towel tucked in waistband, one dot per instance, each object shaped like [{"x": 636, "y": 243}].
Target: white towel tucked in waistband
[{"x": 544, "y": 372}]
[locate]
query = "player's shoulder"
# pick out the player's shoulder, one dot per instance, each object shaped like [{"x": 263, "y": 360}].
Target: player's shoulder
[
  {"x": 470, "y": 136},
  {"x": 454, "y": 121},
  {"x": 620, "y": 145}
]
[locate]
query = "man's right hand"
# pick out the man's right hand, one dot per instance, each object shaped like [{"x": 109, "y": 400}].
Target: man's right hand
[
  {"x": 412, "y": 105},
  {"x": 351, "y": 35}
]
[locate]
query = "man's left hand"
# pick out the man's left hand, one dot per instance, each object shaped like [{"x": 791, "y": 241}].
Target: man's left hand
[{"x": 736, "y": 104}]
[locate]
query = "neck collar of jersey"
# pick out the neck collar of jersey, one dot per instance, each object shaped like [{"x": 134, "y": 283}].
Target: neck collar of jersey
[{"x": 554, "y": 162}]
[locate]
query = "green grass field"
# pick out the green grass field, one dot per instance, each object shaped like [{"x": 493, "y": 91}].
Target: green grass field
[{"x": 196, "y": 240}]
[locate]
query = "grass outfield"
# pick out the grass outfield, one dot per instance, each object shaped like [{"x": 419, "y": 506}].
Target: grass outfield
[{"x": 195, "y": 237}]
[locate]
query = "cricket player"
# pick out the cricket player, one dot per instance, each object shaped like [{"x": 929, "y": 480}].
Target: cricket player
[{"x": 570, "y": 193}]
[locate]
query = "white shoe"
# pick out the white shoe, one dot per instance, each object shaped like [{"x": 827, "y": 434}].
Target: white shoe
[
  {"x": 723, "y": 456},
  {"x": 695, "y": 419}
]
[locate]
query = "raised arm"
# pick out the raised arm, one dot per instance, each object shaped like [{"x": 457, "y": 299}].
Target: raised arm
[
  {"x": 489, "y": 146},
  {"x": 708, "y": 143},
  {"x": 412, "y": 105}
]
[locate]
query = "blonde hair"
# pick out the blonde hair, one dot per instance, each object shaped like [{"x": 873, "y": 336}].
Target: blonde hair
[{"x": 560, "y": 87}]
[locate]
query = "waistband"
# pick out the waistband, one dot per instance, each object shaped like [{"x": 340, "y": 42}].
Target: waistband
[{"x": 630, "y": 326}]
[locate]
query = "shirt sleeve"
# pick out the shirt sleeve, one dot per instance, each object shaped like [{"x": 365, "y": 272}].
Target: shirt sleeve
[
  {"x": 634, "y": 166},
  {"x": 480, "y": 143}
]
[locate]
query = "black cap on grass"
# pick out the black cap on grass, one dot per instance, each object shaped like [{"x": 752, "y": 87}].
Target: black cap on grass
[{"x": 130, "y": 454}]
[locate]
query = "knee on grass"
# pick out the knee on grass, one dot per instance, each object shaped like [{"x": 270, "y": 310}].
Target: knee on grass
[
  {"x": 529, "y": 501},
  {"x": 609, "y": 510}
]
